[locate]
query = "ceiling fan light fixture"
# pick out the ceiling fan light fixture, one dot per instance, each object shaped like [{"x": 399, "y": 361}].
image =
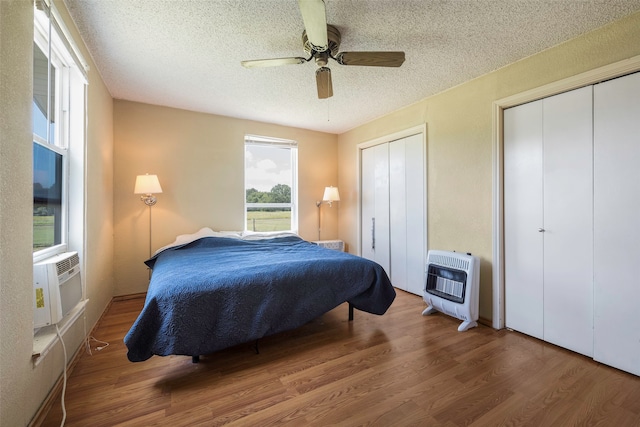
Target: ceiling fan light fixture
[{"x": 322, "y": 59}]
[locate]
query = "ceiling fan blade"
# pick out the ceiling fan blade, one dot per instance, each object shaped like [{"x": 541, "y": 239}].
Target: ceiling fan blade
[
  {"x": 274, "y": 62},
  {"x": 323, "y": 81},
  {"x": 314, "y": 16},
  {"x": 372, "y": 59}
]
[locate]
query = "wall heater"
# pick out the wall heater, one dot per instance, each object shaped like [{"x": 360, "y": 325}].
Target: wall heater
[{"x": 452, "y": 286}]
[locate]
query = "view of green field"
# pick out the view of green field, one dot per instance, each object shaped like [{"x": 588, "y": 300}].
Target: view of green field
[
  {"x": 268, "y": 221},
  {"x": 256, "y": 221},
  {"x": 42, "y": 232}
]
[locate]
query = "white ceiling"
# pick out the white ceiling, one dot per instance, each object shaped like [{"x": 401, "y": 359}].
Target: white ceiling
[{"x": 186, "y": 53}]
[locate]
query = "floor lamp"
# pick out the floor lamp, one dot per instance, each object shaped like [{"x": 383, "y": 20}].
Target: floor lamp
[
  {"x": 331, "y": 195},
  {"x": 148, "y": 185}
]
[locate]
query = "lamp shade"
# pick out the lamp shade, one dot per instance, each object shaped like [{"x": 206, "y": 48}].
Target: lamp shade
[
  {"x": 331, "y": 194},
  {"x": 147, "y": 184}
]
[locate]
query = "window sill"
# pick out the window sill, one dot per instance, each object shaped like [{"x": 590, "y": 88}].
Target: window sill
[{"x": 46, "y": 337}]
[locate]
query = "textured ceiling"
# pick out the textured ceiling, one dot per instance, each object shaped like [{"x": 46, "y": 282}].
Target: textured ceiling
[{"x": 186, "y": 54}]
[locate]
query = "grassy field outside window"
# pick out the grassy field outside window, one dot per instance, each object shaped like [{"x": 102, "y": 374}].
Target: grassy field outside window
[
  {"x": 258, "y": 220},
  {"x": 43, "y": 232}
]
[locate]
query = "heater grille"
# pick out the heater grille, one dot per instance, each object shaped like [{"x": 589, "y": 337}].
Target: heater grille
[
  {"x": 449, "y": 287},
  {"x": 449, "y": 261},
  {"x": 446, "y": 282}
]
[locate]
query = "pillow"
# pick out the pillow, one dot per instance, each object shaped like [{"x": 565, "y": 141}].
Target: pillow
[
  {"x": 260, "y": 235},
  {"x": 183, "y": 239}
]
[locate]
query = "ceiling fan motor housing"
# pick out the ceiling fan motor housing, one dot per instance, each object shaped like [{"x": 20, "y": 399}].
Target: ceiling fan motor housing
[{"x": 333, "y": 36}]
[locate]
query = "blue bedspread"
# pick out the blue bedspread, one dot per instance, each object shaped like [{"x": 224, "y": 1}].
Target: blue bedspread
[{"x": 218, "y": 292}]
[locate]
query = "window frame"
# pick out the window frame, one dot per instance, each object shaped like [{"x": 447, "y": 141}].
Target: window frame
[
  {"x": 292, "y": 146},
  {"x": 69, "y": 129}
]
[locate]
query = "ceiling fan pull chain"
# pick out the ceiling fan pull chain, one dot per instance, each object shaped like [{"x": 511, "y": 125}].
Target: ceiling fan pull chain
[{"x": 327, "y": 110}]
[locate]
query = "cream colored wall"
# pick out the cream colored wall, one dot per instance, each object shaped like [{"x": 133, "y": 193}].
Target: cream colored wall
[
  {"x": 199, "y": 160},
  {"x": 460, "y": 141},
  {"x": 98, "y": 250},
  {"x": 23, "y": 387},
  {"x": 16, "y": 208}
]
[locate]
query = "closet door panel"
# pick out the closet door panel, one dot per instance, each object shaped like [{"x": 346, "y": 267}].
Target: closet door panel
[
  {"x": 375, "y": 205},
  {"x": 568, "y": 223},
  {"x": 407, "y": 218},
  {"x": 367, "y": 202},
  {"x": 617, "y": 223},
  {"x": 523, "y": 217},
  {"x": 415, "y": 160},
  {"x": 398, "y": 213}
]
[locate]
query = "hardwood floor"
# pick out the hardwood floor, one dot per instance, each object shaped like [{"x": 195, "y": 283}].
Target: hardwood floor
[{"x": 397, "y": 369}]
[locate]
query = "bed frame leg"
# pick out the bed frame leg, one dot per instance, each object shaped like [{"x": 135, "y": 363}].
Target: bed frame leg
[
  {"x": 195, "y": 359},
  {"x": 255, "y": 347},
  {"x": 350, "y": 312}
]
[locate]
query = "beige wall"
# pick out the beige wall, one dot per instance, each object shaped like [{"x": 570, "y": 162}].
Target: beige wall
[
  {"x": 16, "y": 207},
  {"x": 460, "y": 141},
  {"x": 23, "y": 387},
  {"x": 199, "y": 160}
]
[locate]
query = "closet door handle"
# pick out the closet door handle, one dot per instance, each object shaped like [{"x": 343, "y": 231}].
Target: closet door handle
[
  {"x": 373, "y": 234},
  {"x": 541, "y": 230}
]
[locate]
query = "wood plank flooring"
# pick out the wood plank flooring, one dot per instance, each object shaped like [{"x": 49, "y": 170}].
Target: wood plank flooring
[{"x": 398, "y": 369}]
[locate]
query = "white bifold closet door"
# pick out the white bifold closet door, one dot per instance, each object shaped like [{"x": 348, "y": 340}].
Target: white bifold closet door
[
  {"x": 406, "y": 214},
  {"x": 548, "y": 219},
  {"x": 523, "y": 217},
  {"x": 568, "y": 220},
  {"x": 393, "y": 220},
  {"x": 617, "y": 223},
  {"x": 375, "y": 205}
]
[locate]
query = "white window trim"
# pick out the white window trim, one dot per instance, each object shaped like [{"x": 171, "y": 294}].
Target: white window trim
[
  {"x": 71, "y": 69},
  {"x": 284, "y": 143}
]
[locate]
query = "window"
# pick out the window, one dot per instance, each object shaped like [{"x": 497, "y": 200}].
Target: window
[
  {"x": 270, "y": 176},
  {"x": 47, "y": 196},
  {"x": 58, "y": 109}
]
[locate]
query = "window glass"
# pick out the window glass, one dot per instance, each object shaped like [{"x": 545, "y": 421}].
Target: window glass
[
  {"x": 47, "y": 197},
  {"x": 40, "y": 93},
  {"x": 270, "y": 185}
]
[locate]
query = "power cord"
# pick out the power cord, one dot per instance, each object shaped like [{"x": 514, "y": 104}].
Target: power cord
[
  {"x": 64, "y": 376},
  {"x": 90, "y": 339}
]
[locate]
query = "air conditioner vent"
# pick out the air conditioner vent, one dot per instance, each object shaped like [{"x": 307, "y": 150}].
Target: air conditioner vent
[{"x": 67, "y": 264}]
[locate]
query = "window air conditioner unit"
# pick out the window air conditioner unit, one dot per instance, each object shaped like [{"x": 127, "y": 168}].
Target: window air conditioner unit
[
  {"x": 452, "y": 286},
  {"x": 57, "y": 287}
]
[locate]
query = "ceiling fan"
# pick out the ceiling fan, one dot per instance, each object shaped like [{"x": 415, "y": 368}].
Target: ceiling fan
[{"x": 322, "y": 41}]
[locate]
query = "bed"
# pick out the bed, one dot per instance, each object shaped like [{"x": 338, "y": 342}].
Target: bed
[{"x": 212, "y": 290}]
